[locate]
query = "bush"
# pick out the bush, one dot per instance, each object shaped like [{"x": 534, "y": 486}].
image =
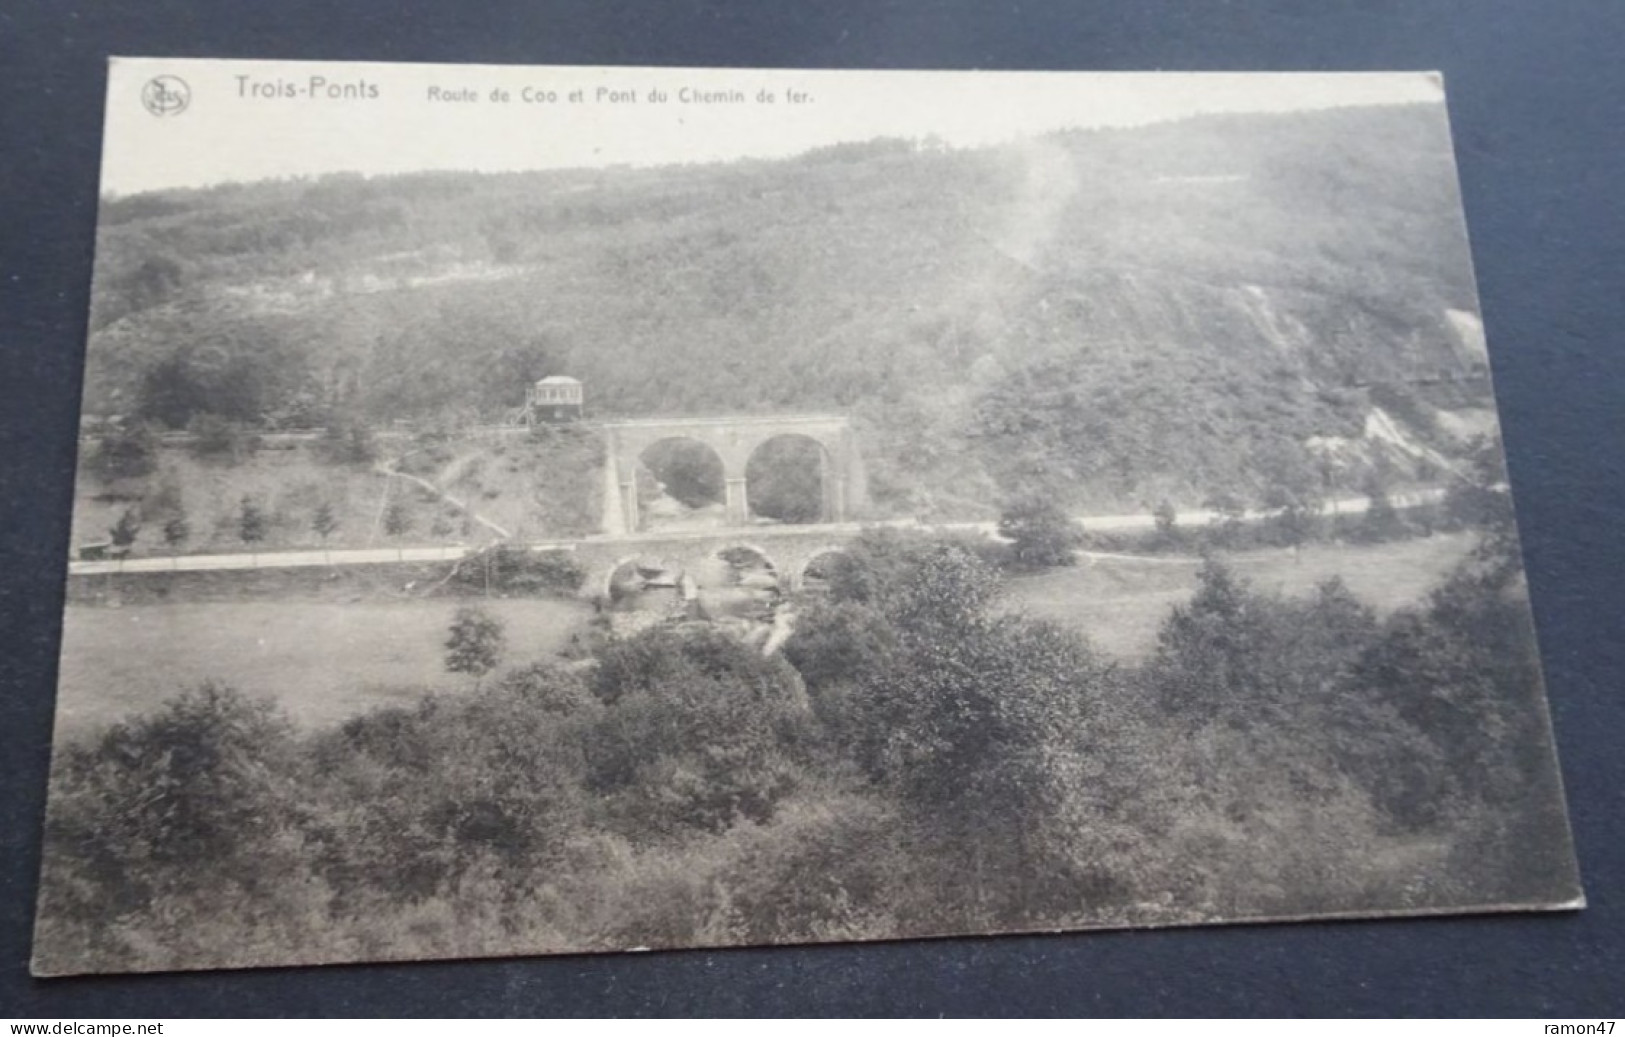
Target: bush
[
  {"x": 1381, "y": 522},
  {"x": 474, "y": 643},
  {"x": 347, "y": 442},
  {"x": 505, "y": 568},
  {"x": 911, "y": 577},
  {"x": 418, "y": 800},
  {"x": 839, "y": 642},
  {"x": 125, "y": 452},
  {"x": 1040, "y": 532},
  {"x": 193, "y": 801},
  {"x": 699, "y": 732},
  {"x": 215, "y": 438}
]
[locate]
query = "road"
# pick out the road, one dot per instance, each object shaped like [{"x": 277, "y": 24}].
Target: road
[{"x": 449, "y": 552}]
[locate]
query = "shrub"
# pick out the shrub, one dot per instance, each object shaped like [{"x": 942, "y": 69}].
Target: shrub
[
  {"x": 1040, "y": 532},
  {"x": 216, "y": 438},
  {"x": 838, "y": 642},
  {"x": 474, "y": 643},
  {"x": 516, "y": 569},
  {"x": 1166, "y": 519},
  {"x": 210, "y": 777},
  {"x": 126, "y": 530},
  {"x": 699, "y": 732},
  {"x": 913, "y": 578},
  {"x": 347, "y": 442},
  {"x": 125, "y": 452},
  {"x": 421, "y": 799}
]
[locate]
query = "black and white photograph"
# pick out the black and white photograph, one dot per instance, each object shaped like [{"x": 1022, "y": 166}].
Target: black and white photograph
[{"x": 574, "y": 509}]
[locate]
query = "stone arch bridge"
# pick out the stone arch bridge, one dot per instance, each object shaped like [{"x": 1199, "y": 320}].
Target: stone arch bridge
[
  {"x": 733, "y": 440},
  {"x": 789, "y": 550}
]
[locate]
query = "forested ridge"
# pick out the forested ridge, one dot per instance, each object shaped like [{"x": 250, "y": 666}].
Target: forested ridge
[{"x": 1106, "y": 315}]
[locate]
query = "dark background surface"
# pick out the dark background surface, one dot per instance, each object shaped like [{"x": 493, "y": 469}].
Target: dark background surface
[{"x": 1537, "y": 98}]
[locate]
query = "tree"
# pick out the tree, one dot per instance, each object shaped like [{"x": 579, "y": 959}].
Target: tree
[
  {"x": 1229, "y": 513},
  {"x": 154, "y": 281},
  {"x": 176, "y": 532},
  {"x": 208, "y": 772},
  {"x": 1294, "y": 520},
  {"x": 215, "y": 437},
  {"x": 397, "y": 521},
  {"x": 239, "y": 371},
  {"x": 347, "y": 442},
  {"x": 125, "y": 452},
  {"x": 1040, "y": 532},
  {"x": 698, "y": 731},
  {"x": 978, "y": 723},
  {"x": 1381, "y": 521},
  {"x": 475, "y": 642},
  {"x": 125, "y": 531},
  {"x": 250, "y": 523},
  {"x": 1294, "y": 492},
  {"x": 1481, "y": 501},
  {"x": 1166, "y": 519},
  {"x": 325, "y": 524}
]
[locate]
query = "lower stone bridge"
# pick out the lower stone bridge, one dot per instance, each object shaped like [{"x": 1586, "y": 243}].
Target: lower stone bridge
[{"x": 788, "y": 550}]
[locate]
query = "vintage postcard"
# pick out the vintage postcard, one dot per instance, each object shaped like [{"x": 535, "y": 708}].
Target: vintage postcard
[{"x": 536, "y": 510}]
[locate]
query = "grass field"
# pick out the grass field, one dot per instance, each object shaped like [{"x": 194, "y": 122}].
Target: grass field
[
  {"x": 1121, "y": 603},
  {"x": 322, "y": 661},
  {"x": 325, "y": 660}
]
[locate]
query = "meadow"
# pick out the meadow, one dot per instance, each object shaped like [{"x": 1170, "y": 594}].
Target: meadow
[
  {"x": 321, "y": 662},
  {"x": 1120, "y": 603},
  {"x": 324, "y": 661}
]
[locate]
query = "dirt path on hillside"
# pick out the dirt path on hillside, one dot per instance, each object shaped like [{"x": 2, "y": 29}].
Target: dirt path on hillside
[{"x": 388, "y": 469}]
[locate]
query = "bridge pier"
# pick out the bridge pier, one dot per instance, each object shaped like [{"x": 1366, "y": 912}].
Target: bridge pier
[
  {"x": 736, "y": 504},
  {"x": 631, "y": 510}
]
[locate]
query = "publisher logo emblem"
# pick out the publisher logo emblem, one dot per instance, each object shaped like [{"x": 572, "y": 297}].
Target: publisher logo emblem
[{"x": 166, "y": 95}]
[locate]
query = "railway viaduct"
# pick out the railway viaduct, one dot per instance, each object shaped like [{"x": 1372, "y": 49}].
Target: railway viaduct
[{"x": 733, "y": 440}]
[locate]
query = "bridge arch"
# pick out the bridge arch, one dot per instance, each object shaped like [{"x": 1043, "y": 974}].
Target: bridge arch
[
  {"x": 788, "y": 479},
  {"x": 789, "y": 550},
  {"x": 798, "y": 578},
  {"x": 733, "y": 440},
  {"x": 605, "y": 586},
  {"x": 687, "y": 472}
]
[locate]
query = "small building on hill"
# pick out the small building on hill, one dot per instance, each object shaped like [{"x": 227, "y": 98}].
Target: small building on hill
[{"x": 556, "y": 398}]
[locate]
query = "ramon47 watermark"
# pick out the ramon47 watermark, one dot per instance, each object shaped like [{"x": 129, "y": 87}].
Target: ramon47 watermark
[{"x": 1603, "y": 1028}]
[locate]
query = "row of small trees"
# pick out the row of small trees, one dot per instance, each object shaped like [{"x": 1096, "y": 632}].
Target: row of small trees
[{"x": 252, "y": 525}]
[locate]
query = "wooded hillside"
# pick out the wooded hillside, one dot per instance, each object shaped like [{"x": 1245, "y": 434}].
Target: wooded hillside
[{"x": 1107, "y": 315}]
